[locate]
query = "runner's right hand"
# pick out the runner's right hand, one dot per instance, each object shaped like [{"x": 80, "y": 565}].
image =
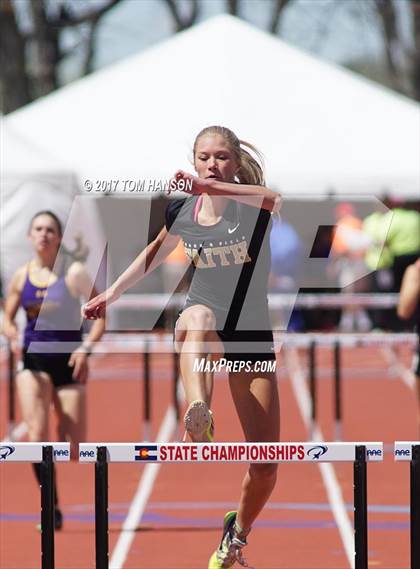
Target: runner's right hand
[{"x": 96, "y": 307}]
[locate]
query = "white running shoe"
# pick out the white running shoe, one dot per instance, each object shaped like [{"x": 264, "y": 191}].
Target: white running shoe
[{"x": 199, "y": 423}]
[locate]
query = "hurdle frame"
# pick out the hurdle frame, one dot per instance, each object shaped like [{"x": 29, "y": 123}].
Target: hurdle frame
[
  {"x": 360, "y": 508},
  {"x": 47, "y": 509},
  {"x": 415, "y": 506},
  {"x": 336, "y": 341},
  {"x": 99, "y": 453},
  {"x": 45, "y": 453},
  {"x": 410, "y": 451},
  {"x": 147, "y": 419},
  {"x": 101, "y": 509}
]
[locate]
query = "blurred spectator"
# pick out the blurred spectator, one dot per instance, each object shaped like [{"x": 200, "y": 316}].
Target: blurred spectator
[
  {"x": 1, "y": 294},
  {"x": 379, "y": 260},
  {"x": 286, "y": 269},
  {"x": 395, "y": 245},
  {"x": 408, "y": 308},
  {"x": 403, "y": 241},
  {"x": 348, "y": 248},
  {"x": 408, "y": 304}
]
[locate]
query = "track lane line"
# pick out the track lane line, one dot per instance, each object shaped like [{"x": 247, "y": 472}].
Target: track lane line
[
  {"x": 141, "y": 497},
  {"x": 332, "y": 486},
  {"x": 393, "y": 362}
]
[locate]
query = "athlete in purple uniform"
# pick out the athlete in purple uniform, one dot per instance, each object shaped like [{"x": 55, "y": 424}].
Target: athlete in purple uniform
[
  {"x": 49, "y": 288},
  {"x": 225, "y": 226}
]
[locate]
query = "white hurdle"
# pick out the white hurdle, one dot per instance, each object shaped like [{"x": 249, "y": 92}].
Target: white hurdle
[
  {"x": 360, "y": 453},
  {"x": 409, "y": 451},
  {"x": 46, "y": 453}
]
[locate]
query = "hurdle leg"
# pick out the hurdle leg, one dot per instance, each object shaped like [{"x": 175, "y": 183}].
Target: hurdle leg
[
  {"x": 147, "y": 428},
  {"x": 360, "y": 509},
  {"x": 47, "y": 508},
  {"x": 312, "y": 386},
  {"x": 175, "y": 396},
  {"x": 337, "y": 392},
  {"x": 101, "y": 509},
  {"x": 415, "y": 507}
]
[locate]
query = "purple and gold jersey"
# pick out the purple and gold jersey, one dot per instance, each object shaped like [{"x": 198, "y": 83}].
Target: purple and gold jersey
[{"x": 52, "y": 313}]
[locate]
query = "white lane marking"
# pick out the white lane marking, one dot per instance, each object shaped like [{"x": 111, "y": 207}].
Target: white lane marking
[
  {"x": 332, "y": 487},
  {"x": 398, "y": 368},
  {"x": 141, "y": 497}
]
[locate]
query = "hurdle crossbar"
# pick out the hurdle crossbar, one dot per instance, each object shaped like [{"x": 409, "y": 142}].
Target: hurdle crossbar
[
  {"x": 230, "y": 452},
  {"x": 140, "y": 341},
  {"x": 46, "y": 454},
  {"x": 358, "y": 453},
  {"x": 33, "y": 452},
  {"x": 410, "y": 451},
  {"x": 161, "y": 301}
]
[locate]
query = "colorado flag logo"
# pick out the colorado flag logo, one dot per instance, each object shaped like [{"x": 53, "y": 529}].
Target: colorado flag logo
[{"x": 146, "y": 452}]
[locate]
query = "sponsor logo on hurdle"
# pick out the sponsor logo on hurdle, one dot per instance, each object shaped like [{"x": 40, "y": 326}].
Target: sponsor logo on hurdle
[
  {"x": 316, "y": 452},
  {"x": 373, "y": 452},
  {"x": 61, "y": 453},
  {"x": 402, "y": 452},
  {"x": 87, "y": 454},
  {"x": 146, "y": 452},
  {"x": 6, "y": 451}
]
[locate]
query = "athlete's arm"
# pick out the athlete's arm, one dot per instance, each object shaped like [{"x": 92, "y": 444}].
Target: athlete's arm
[
  {"x": 11, "y": 306},
  {"x": 410, "y": 291},
  {"x": 257, "y": 196},
  {"x": 148, "y": 260},
  {"x": 80, "y": 285}
]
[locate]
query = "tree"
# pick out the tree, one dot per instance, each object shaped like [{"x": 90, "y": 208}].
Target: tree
[
  {"x": 182, "y": 22},
  {"x": 30, "y": 58},
  {"x": 403, "y": 61},
  {"x": 415, "y": 56},
  {"x": 31, "y": 55}
]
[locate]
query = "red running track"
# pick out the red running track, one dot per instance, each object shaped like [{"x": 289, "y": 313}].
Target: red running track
[{"x": 180, "y": 526}]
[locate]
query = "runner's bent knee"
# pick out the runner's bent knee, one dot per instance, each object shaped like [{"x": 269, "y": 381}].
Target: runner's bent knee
[{"x": 200, "y": 319}]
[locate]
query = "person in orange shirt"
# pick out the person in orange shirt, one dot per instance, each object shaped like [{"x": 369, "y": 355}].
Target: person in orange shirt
[{"x": 348, "y": 248}]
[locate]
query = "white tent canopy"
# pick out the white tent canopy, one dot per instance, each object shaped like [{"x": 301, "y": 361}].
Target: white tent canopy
[
  {"x": 33, "y": 181},
  {"x": 320, "y": 127}
]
